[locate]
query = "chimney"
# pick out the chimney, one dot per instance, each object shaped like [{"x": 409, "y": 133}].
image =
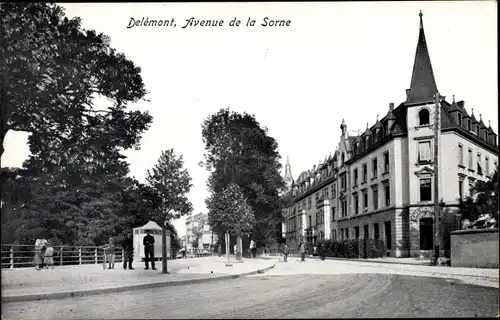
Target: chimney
[
  {"x": 391, "y": 107},
  {"x": 407, "y": 94}
]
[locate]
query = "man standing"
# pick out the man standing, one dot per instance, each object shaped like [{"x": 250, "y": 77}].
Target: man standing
[
  {"x": 253, "y": 248},
  {"x": 285, "y": 251},
  {"x": 302, "y": 251},
  {"x": 149, "y": 250},
  {"x": 128, "y": 251}
]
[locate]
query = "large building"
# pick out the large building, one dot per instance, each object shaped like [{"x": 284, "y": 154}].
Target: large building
[
  {"x": 379, "y": 184},
  {"x": 198, "y": 223}
]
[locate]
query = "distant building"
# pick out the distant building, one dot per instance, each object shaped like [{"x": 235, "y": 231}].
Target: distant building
[
  {"x": 199, "y": 222},
  {"x": 379, "y": 184}
]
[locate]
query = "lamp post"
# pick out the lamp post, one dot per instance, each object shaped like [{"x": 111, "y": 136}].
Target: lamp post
[{"x": 165, "y": 243}]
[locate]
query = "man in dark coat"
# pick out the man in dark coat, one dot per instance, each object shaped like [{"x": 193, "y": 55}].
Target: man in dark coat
[
  {"x": 128, "y": 250},
  {"x": 149, "y": 250}
]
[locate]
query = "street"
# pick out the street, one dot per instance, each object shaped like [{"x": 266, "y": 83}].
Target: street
[{"x": 279, "y": 296}]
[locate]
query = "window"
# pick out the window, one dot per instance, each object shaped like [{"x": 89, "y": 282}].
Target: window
[
  {"x": 460, "y": 155},
  {"x": 479, "y": 166},
  {"x": 423, "y": 116},
  {"x": 387, "y": 194},
  {"x": 327, "y": 193},
  {"x": 356, "y": 233},
  {"x": 310, "y": 221},
  {"x": 366, "y": 232},
  {"x": 487, "y": 166},
  {"x": 334, "y": 190},
  {"x": 309, "y": 202},
  {"x": 317, "y": 196},
  {"x": 343, "y": 182},
  {"x": 374, "y": 168},
  {"x": 356, "y": 203},
  {"x": 376, "y": 231},
  {"x": 386, "y": 162},
  {"x": 333, "y": 214},
  {"x": 459, "y": 119},
  {"x": 425, "y": 190},
  {"x": 344, "y": 208},
  {"x": 334, "y": 234},
  {"x": 347, "y": 233},
  {"x": 471, "y": 184},
  {"x": 375, "y": 199},
  {"x": 468, "y": 125},
  {"x": 365, "y": 172},
  {"x": 424, "y": 152},
  {"x": 470, "y": 159},
  {"x": 365, "y": 201},
  {"x": 342, "y": 159},
  {"x": 355, "y": 174},
  {"x": 342, "y": 233},
  {"x": 461, "y": 189}
]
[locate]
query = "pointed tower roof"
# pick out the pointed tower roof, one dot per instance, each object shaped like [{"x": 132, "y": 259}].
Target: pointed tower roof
[
  {"x": 423, "y": 86},
  {"x": 481, "y": 123},
  {"x": 288, "y": 171},
  {"x": 454, "y": 106},
  {"x": 378, "y": 125},
  {"x": 473, "y": 118}
]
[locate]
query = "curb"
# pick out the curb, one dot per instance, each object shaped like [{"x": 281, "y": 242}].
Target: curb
[{"x": 142, "y": 286}]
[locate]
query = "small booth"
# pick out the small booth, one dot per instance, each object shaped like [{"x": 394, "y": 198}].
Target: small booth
[{"x": 140, "y": 233}]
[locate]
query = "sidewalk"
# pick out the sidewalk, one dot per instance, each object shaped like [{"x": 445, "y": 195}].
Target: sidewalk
[
  {"x": 26, "y": 284},
  {"x": 477, "y": 276}
]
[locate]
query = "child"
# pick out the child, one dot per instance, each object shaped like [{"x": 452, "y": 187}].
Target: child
[
  {"x": 109, "y": 250},
  {"x": 48, "y": 260}
]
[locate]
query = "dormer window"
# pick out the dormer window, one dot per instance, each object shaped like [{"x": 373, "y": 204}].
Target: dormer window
[
  {"x": 459, "y": 115},
  {"x": 423, "y": 117},
  {"x": 468, "y": 125}
]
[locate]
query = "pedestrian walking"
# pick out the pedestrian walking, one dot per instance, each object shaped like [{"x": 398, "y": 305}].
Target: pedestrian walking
[
  {"x": 39, "y": 253},
  {"x": 302, "y": 249},
  {"x": 253, "y": 248},
  {"x": 109, "y": 251},
  {"x": 149, "y": 250},
  {"x": 48, "y": 260},
  {"x": 183, "y": 250},
  {"x": 128, "y": 251},
  {"x": 322, "y": 251},
  {"x": 285, "y": 251}
]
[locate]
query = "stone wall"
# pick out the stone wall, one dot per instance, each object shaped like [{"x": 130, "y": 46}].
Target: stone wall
[{"x": 476, "y": 248}]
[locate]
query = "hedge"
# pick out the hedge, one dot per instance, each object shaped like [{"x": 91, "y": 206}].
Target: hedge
[{"x": 354, "y": 248}]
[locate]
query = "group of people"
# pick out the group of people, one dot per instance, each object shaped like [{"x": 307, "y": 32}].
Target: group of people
[
  {"x": 253, "y": 249},
  {"x": 44, "y": 254},
  {"x": 302, "y": 250},
  {"x": 128, "y": 250}
]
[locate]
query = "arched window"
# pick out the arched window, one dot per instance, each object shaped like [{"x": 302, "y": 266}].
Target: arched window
[
  {"x": 342, "y": 159},
  {"x": 423, "y": 117}
]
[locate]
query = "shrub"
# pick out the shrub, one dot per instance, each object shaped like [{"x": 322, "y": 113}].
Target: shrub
[{"x": 353, "y": 249}]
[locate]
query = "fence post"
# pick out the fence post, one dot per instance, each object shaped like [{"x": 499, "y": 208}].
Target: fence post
[
  {"x": 80, "y": 255},
  {"x": 61, "y": 256},
  {"x": 12, "y": 257},
  {"x": 95, "y": 255}
]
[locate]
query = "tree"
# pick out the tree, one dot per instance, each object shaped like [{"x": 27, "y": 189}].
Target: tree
[
  {"x": 51, "y": 71},
  {"x": 240, "y": 151},
  {"x": 483, "y": 198},
  {"x": 171, "y": 183},
  {"x": 230, "y": 212}
]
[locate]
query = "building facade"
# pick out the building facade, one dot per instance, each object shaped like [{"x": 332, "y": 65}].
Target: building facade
[
  {"x": 380, "y": 184},
  {"x": 199, "y": 223}
]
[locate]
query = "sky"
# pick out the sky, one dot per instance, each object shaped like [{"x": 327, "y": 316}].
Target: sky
[{"x": 335, "y": 60}]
